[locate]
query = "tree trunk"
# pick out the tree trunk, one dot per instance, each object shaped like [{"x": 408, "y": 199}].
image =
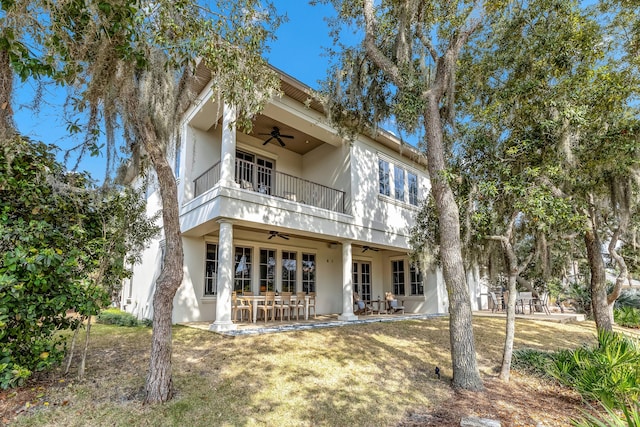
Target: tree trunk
[
  {"x": 7, "y": 127},
  {"x": 85, "y": 350},
  {"x": 599, "y": 304},
  {"x": 72, "y": 349},
  {"x": 463, "y": 353},
  {"x": 514, "y": 272},
  {"x": 622, "y": 266},
  {"x": 159, "y": 387}
]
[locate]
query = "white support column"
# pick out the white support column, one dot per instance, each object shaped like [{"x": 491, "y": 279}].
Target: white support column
[
  {"x": 228, "y": 149},
  {"x": 347, "y": 283},
  {"x": 225, "y": 279}
]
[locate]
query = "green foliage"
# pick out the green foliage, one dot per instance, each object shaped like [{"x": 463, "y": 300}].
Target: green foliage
[
  {"x": 114, "y": 316},
  {"x": 630, "y": 417},
  {"x": 627, "y": 316},
  {"x": 56, "y": 249},
  {"x": 534, "y": 361},
  {"x": 608, "y": 373},
  {"x": 628, "y": 298}
]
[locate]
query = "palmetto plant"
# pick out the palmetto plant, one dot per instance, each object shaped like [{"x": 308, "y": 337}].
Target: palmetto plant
[
  {"x": 608, "y": 373},
  {"x": 629, "y": 298},
  {"x": 627, "y": 316},
  {"x": 630, "y": 417}
]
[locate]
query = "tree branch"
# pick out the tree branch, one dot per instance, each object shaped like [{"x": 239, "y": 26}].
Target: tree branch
[
  {"x": 554, "y": 189},
  {"x": 376, "y": 54},
  {"x": 426, "y": 42}
]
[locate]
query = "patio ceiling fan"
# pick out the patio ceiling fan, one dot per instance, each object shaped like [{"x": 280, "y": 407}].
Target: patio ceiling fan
[
  {"x": 369, "y": 248},
  {"x": 275, "y": 134},
  {"x": 273, "y": 234}
]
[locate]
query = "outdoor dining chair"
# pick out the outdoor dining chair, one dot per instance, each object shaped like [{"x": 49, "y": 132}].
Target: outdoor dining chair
[
  {"x": 268, "y": 306},
  {"x": 238, "y": 306},
  {"x": 524, "y": 299},
  {"x": 540, "y": 304},
  {"x": 283, "y": 305},
  {"x": 312, "y": 303},
  {"x": 297, "y": 305}
]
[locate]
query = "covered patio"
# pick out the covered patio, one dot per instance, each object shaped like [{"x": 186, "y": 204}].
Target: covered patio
[{"x": 320, "y": 321}]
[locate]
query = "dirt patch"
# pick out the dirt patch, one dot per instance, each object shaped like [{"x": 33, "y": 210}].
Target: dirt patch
[{"x": 524, "y": 401}]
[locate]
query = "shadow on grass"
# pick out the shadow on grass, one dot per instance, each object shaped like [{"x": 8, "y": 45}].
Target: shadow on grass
[{"x": 360, "y": 375}]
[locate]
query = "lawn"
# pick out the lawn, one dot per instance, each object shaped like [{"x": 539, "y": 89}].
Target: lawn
[{"x": 378, "y": 374}]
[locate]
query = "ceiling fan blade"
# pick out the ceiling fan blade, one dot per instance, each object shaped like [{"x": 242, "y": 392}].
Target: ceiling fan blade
[
  {"x": 280, "y": 141},
  {"x": 265, "y": 143},
  {"x": 286, "y": 136},
  {"x": 283, "y": 236}
]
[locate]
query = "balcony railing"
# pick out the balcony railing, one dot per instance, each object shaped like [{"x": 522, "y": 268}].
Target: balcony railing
[
  {"x": 207, "y": 180},
  {"x": 261, "y": 179}
]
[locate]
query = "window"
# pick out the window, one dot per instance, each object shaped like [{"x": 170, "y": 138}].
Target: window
[
  {"x": 289, "y": 270},
  {"x": 397, "y": 270},
  {"x": 177, "y": 163},
  {"x": 267, "y": 270},
  {"x": 404, "y": 182},
  {"x": 211, "y": 270},
  {"x": 383, "y": 172},
  {"x": 417, "y": 287},
  {"x": 308, "y": 273},
  {"x": 242, "y": 271},
  {"x": 413, "y": 188},
  {"x": 398, "y": 183}
]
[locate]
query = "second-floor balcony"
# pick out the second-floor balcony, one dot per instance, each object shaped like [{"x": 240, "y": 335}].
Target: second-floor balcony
[{"x": 262, "y": 178}]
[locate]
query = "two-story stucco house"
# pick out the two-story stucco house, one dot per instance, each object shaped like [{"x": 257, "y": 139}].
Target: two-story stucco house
[{"x": 290, "y": 207}]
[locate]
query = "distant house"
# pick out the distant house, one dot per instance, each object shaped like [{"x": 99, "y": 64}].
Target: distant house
[{"x": 290, "y": 207}]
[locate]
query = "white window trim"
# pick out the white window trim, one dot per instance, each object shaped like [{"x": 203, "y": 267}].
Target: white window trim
[{"x": 207, "y": 298}]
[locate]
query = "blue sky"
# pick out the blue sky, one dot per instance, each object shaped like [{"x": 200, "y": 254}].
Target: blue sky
[{"x": 298, "y": 51}]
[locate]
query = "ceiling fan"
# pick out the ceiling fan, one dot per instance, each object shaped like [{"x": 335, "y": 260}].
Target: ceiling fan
[
  {"x": 273, "y": 234},
  {"x": 275, "y": 133},
  {"x": 369, "y": 248}
]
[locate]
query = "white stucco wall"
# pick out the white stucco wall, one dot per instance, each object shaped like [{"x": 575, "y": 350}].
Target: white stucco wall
[{"x": 371, "y": 209}]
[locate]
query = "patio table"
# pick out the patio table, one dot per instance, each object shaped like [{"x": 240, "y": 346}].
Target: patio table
[{"x": 256, "y": 299}]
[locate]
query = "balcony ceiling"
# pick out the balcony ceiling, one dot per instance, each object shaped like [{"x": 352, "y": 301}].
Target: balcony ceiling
[{"x": 301, "y": 142}]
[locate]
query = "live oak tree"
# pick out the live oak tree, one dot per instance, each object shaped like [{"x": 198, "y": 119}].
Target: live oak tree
[
  {"x": 132, "y": 66},
  {"x": 568, "y": 110},
  {"x": 405, "y": 68}
]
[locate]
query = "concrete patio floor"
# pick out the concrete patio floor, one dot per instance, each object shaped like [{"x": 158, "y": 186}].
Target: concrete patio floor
[{"x": 331, "y": 321}]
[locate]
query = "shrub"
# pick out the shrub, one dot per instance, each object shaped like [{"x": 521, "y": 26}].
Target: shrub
[
  {"x": 113, "y": 316},
  {"x": 146, "y": 322},
  {"x": 608, "y": 373},
  {"x": 630, "y": 417},
  {"x": 627, "y": 316},
  {"x": 534, "y": 361},
  {"x": 629, "y": 298}
]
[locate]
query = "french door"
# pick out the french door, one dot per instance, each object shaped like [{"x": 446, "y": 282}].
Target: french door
[
  {"x": 253, "y": 172},
  {"x": 362, "y": 279}
]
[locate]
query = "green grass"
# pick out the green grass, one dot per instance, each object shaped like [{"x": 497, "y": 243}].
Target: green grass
[{"x": 360, "y": 375}]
